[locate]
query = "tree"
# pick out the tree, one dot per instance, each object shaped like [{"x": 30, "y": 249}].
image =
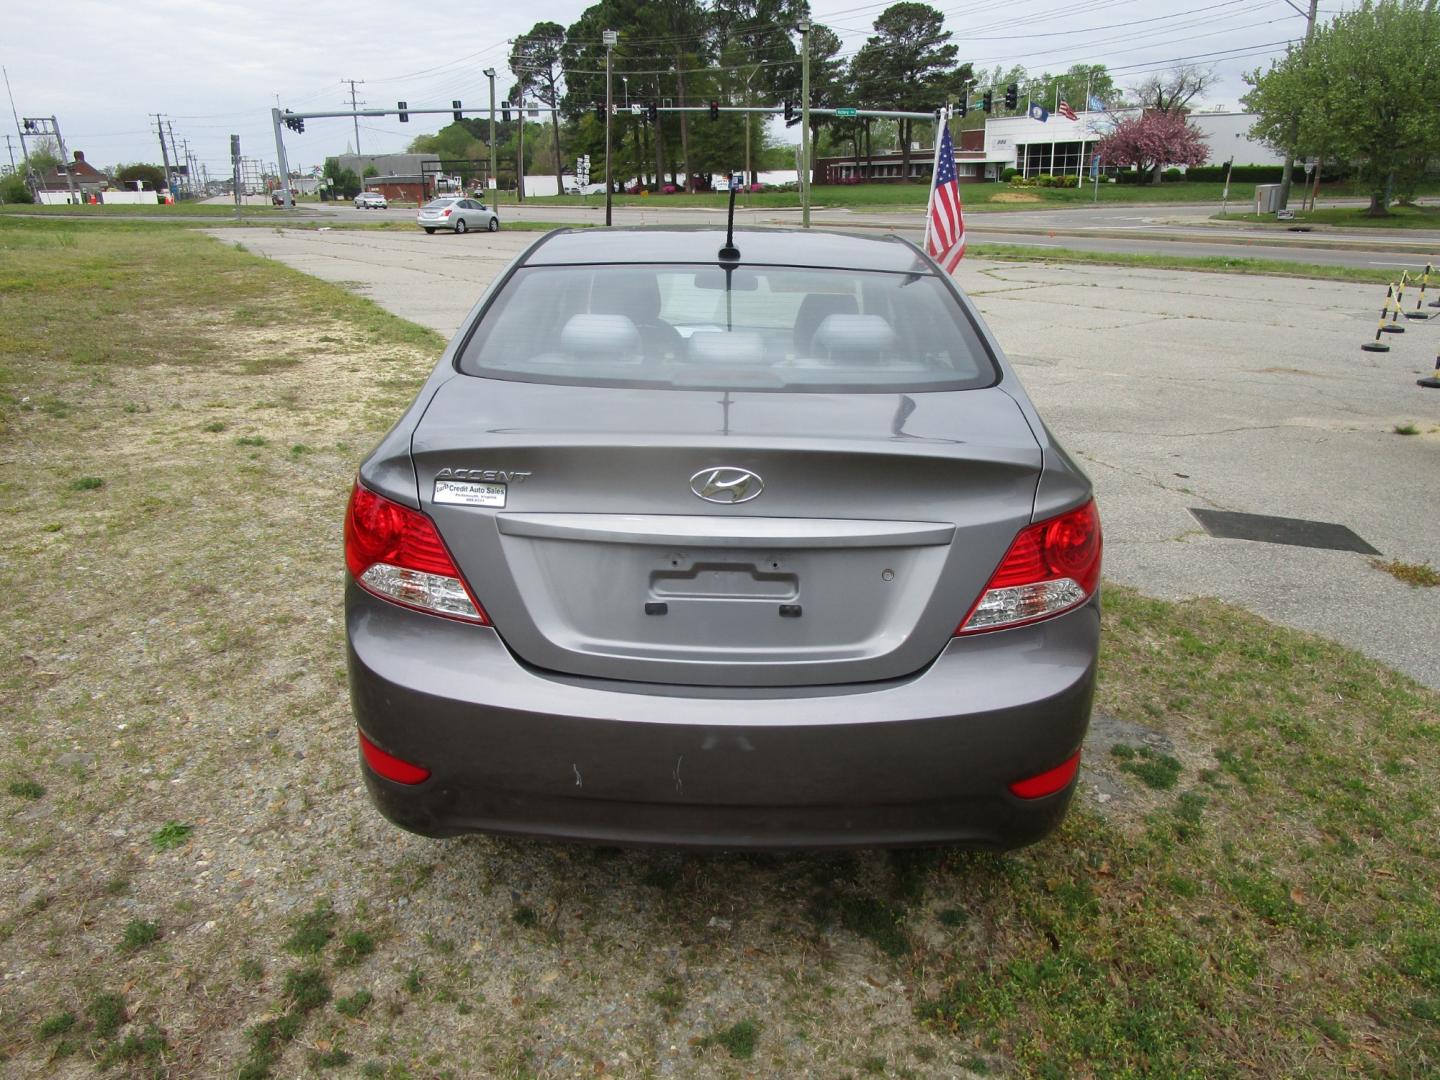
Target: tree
[
  {"x": 829, "y": 83},
  {"x": 152, "y": 175},
  {"x": 1081, "y": 83},
  {"x": 1361, "y": 89},
  {"x": 1153, "y": 140},
  {"x": 43, "y": 153},
  {"x": 13, "y": 190},
  {"x": 904, "y": 63},
  {"x": 347, "y": 184},
  {"x": 535, "y": 58},
  {"x": 1171, "y": 91}
]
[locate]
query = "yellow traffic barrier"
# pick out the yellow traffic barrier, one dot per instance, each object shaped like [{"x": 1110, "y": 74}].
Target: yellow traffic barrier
[
  {"x": 1433, "y": 381},
  {"x": 1393, "y": 326},
  {"x": 1420, "y": 301},
  {"x": 1377, "y": 345}
]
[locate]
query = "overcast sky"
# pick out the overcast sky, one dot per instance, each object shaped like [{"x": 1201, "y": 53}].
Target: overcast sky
[{"x": 215, "y": 68}]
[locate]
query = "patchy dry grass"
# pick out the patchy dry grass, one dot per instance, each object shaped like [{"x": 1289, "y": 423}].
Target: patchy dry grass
[
  {"x": 1421, "y": 575},
  {"x": 173, "y": 660}
]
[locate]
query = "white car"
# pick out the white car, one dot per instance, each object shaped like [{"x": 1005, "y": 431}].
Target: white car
[
  {"x": 371, "y": 200},
  {"x": 458, "y": 213}
]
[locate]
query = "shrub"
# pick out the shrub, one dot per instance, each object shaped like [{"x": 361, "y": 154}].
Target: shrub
[
  {"x": 13, "y": 190},
  {"x": 1173, "y": 175},
  {"x": 1008, "y": 175}
]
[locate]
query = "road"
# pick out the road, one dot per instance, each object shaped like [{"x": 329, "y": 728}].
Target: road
[{"x": 1176, "y": 390}]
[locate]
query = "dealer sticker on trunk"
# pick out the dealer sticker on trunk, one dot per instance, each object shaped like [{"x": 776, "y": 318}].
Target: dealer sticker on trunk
[{"x": 463, "y": 493}]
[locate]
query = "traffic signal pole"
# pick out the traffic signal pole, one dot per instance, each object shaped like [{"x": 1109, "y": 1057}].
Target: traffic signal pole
[
  {"x": 281, "y": 163},
  {"x": 805, "y": 123}
]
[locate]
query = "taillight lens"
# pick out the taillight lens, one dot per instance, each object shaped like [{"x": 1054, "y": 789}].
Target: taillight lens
[
  {"x": 1051, "y": 567},
  {"x": 391, "y": 767},
  {"x": 1048, "y": 782},
  {"x": 395, "y": 552},
  {"x": 445, "y": 214}
]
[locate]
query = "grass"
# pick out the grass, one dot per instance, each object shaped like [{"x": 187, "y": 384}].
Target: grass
[
  {"x": 738, "y": 1040},
  {"x": 26, "y": 789},
  {"x": 1400, "y": 217},
  {"x": 313, "y": 930},
  {"x": 1215, "y": 264},
  {"x": 1406, "y": 429},
  {"x": 354, "y": 1005},
  {"x": 171, "y": 835},
  {"x": 139, "y": 933},
  {"x": 1154, "y": 769},
  {"x": 1420, "y": 575},
  {"x": 1276, "y": 912}
]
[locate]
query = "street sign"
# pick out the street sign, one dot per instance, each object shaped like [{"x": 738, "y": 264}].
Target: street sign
[{"x": 846, "y": 113}]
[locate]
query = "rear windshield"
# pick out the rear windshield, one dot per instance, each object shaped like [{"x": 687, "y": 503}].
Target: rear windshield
[
  {"x": 750, "y": 328},
  {"x": 436, "y": 203}
]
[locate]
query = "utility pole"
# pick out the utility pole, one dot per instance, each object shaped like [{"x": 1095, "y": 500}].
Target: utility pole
[
  {"x": 164, "y": 151},
  {"x": 494, "y": 176},
  {"x": 11, "y": 148},
  {"x": 805, "y": 122},
  {"x": 1290, "y": 150},
  {"x": 610, "y": 37},
  {"x": 520, "y": 159},
  {"x": 174, "y": 150},
  {"x": 353, "y": 106},
  {"x": 235, "y": 164},
  {"x": 48, "y": 125},
  {"x": 24, "y": 150}
]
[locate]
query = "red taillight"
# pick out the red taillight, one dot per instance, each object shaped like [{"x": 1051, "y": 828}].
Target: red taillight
[
  {"x": 1051, "y": 567},
  {"x": 391, "y": 767},
  {"x": 1048, "y": 782},
  {"x": 396, "y": 553},
  {"x": 445, "y": 214}
]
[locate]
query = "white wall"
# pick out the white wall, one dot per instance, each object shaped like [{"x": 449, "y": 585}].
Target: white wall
[
  {"x": 131, "y": 198},
  {"x": 1229, "y": 133}
]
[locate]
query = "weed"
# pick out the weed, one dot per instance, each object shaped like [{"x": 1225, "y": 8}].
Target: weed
[
  {"x": 26, "y": 789},
  {"x": 670, "y": 997},
  {"x": 313, "y": 930},
  {"x": 1155, "y": 770},
  {"x": 251, "y": 440},
  {"x": 307, "y": 988},
  {"x": 171, "y": 835},
  {"x": 327, "y": 1059},
  {"x": 414, "y": 981},
  {"x": 87, "y": 483},
  {"x": 1420, "y": 575},
  {"x": 525, "y": 915},
  {"x": 56, "y": 1025},
  {"x": 354, "y": 946},
  {"x": 138, "y": 934},
  {"x": 874, "y": 1064},
  {"x": 953, "y": 917},
  {"x": 107, "y": 1013},
  {"x": 355, "y": 1004},
  {"x": 372, "y": 1070},
  {"x": 251, "y": 970},
  {"x": 738, "y": 1040},
  {"x": 1406, "y": 429},
  {"x": 215, "y": 426},
  {"x": 117, "y": 886},
  {"x": 875, "y": 921},
  {"x": 149, "y": 1047},
  {"x": 299, "y": 450}
]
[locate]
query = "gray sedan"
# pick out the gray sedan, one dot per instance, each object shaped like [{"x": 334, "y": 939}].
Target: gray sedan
[
  {"x": 751, "y": 545},
  {"x": 457, "y": 214}
]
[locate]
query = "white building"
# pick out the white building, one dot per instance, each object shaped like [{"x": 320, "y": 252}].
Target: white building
[{"x": 1064, "y": 147}]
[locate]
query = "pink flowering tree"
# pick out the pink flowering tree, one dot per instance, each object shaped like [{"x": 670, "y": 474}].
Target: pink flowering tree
[{"x": 1152, "y": 141}]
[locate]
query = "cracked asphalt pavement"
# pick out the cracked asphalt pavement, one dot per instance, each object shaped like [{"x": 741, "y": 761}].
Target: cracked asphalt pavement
[{"x": 1174, "y": 389}]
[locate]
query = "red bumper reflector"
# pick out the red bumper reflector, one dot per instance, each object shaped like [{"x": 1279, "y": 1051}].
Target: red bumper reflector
[
  {"x": 391, "y": 767},
  {"x": 1047, "y": 783}
]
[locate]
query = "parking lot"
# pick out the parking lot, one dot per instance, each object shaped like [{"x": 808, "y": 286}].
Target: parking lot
[{"x": 1177, "y": 390}]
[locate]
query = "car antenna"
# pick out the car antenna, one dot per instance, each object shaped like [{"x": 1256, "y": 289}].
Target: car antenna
[{"x": 730, "y": 253}]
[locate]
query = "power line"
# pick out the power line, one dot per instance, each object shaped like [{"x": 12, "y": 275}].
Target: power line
[{"x": 353, "y": 106}]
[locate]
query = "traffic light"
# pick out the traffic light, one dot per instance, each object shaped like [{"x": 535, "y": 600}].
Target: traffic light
[
  {"x": 30, "y": 125},
  {"x": 600, "y": 111},
  {"x": 789, "y": 112},
  {"x": 988, "y": 101},
  {"x": 963, "y": 107},
  {"x": 714, "y": 110},
  {"x": 402, "y": 106},
  {"x": 505, "y": 111},
  {"x": 1012, "y": 96},
  {"x": 456, "y": 106},
  {"x": 652, "y": 112},
  {"x": 295, "y": 124}
]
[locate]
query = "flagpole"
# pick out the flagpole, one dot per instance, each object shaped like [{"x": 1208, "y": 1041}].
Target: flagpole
[{"x": 942, "y": 121}]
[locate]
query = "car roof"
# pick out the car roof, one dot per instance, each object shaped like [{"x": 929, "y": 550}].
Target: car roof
[{"x": 701, "y": 244}]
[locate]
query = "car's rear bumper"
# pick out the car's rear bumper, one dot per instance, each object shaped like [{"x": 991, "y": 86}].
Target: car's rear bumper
[{"x": 921, "y": 760}]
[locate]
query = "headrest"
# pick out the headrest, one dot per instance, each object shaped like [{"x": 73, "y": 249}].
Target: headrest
[
  {"x": 602, "y": 337},
  {"x": 727, "y": 348},
  {"x": 854, "y": 335}
]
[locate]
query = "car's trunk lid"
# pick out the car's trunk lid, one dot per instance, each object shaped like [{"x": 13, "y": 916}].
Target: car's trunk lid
[{"x": 575, "y": 513}]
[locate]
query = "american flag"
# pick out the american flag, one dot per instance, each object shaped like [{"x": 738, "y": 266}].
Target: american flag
[
  {"x": 1065, "y": 110},
  {"x": 945, "y": 222}
]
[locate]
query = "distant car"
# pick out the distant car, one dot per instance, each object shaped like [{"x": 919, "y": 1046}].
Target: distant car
[
  {"x": 371, "y": 200},
  {"x": 587, "y": 189},
  {"x": 733, "y": 544},
  {"x": 457, "y": 213}
]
